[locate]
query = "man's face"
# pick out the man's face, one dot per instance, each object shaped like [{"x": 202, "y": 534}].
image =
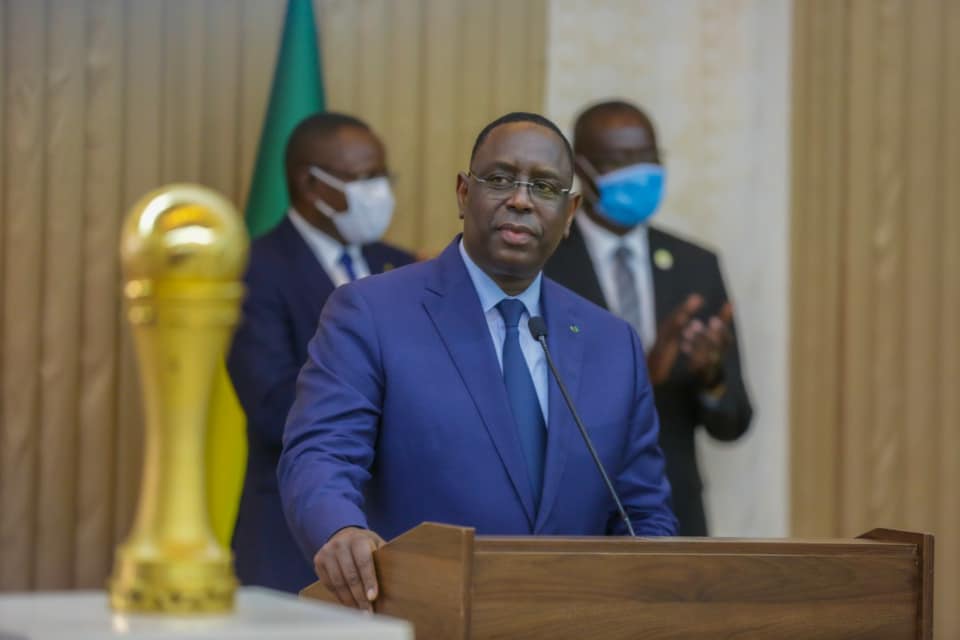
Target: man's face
[
  {"x": 511, "y": 233},
  {"x": 349, "y": 154},
  {"x": 615, "y": 141}
]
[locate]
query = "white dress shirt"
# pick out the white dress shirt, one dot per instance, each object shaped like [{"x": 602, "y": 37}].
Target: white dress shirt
[
  {"x": 490, "y": 295},
  {"x": 602, "y": 246},
  {"x": 328, "y": 251}
]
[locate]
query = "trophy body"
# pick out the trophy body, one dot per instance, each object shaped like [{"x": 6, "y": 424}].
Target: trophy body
[{"x": 183, "y": 251}]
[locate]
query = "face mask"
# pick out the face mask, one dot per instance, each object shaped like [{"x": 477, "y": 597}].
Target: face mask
[
  {"x": 369, "y": 207},
  {"x": 631, "y": 195}
]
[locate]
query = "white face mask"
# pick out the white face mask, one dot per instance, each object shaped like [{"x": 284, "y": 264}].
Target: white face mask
[{"x": 369, "y": 207}]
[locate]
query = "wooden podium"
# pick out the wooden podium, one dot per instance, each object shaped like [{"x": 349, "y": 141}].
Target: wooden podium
[{"x": 452, "y": 584}]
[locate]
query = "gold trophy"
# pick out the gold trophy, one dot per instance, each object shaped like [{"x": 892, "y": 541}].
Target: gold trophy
[{"x": 183, "y": 249}]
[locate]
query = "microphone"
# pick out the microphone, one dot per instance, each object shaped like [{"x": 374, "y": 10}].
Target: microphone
[{"x": 538, "y": 329}]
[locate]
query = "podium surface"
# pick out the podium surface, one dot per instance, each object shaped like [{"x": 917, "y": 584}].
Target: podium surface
[
  {"x": 260, "y": 613},
  {"x": 452, "y": 584}
]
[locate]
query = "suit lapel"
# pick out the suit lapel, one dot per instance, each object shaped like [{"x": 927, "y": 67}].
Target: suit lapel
[
  {"x": 661, "y": 277},
  {"x": 307, "y": 269},
  {"x": 375, "y": 258},
  {"x": 452, "y": 304},
  {"x": 572, "y": 265},
  {"x": 566, "y": 347}
]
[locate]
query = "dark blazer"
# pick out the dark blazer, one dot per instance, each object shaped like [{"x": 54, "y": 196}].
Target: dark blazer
[
  {"x": 286, "y": 289},
  {"x": 679, "y": 403},
  {"x": 402, "y": 416}
]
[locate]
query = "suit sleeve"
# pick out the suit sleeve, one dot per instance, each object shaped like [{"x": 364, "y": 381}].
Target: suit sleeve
[
  {"x": 728, "y": 416},
  {"x": 642, "y": 482},
  {"x": 262, "y": 362},
  {"x": 330, "y": 435}
]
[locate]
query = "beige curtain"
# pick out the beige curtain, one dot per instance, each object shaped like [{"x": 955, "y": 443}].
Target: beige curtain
[
  {"x": 876, "y": 273},
  {"x": 103, "y": 100}
]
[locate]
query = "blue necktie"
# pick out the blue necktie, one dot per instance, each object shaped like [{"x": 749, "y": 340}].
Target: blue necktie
[
  {"x": 523, "y": 397},
  {"x": 347, "y": 263}
]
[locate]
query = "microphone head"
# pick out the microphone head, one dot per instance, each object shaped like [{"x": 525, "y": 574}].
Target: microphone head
[{"x": 538, "y": 328}]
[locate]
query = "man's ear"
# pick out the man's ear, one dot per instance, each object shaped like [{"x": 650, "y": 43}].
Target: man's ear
[
  {"x": 303, "y": 180},
  {"x": 463, "y": 190}
]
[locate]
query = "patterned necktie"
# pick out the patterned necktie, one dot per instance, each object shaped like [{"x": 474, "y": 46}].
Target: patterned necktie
[
  {"x": 523, "y": 397},
  {"x": 628, "y": 298},
  {"x": 347, "y": 263}
]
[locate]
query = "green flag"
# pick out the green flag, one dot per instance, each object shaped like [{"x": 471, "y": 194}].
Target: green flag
[{"x": 296, "y": 93}]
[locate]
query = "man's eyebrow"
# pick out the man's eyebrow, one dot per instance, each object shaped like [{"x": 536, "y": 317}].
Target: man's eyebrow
[
  {"x": 545, "y": 172},
  {"x": 539, "y": 171},
  {"x": 501, "y": 165}
]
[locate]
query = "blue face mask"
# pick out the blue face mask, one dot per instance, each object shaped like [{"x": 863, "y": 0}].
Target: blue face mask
[{"x": 631, "y": 195}]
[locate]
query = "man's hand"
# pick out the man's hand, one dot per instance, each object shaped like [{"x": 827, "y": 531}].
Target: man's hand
[
  {"x": 345, "y": 566},
  {"x": 705, "y": 345},
  {"x": 664, "y": 352}
]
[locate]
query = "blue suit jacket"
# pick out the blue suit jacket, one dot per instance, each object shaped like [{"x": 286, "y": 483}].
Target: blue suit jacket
[
  {"x": 402, "y": 416},
  {"x": 286, "y": 288}
]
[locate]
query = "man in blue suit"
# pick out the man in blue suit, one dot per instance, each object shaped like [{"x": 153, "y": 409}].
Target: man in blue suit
[
  {"x": 424, "y": 396},
  {"x": 341, "y": 204}
]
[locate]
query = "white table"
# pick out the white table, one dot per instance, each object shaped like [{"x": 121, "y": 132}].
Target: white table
[{"x": 260, "y": 613}]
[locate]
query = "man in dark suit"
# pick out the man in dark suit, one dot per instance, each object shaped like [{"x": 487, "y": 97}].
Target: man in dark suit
[
  {"x": 341, "y": 203},
  {"x": 425, "y": 396},
  {"x": 669, "y": 289}
]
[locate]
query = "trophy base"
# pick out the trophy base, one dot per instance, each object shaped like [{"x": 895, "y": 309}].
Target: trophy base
[{"x": 173, "y": 587}]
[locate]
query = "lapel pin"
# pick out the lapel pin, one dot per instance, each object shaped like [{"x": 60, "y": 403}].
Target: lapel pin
[
  {"x": 574, "y": 329},
  {"x": 387, "y": 266},
  {"x": 663, "y": 259}
]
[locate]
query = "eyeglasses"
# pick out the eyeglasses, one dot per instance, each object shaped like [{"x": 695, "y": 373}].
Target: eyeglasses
[{"x": 541, "y": 190}]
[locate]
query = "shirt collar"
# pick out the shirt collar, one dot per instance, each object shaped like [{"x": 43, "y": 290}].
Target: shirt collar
[
  {"x": 326, "y": 249},
  {"x": 603, "y": 242},
  {"x": 490, "y": 292}
]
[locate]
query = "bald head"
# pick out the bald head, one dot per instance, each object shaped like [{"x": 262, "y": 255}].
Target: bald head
[
  {"x": 614, "y": 134},
  {"x": 522, "y": 116},
  {"x": 317, "y": 134}
]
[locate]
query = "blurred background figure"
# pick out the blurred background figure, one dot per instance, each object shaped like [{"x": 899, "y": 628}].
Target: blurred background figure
[
  {"x": 671, "y": 291},
  {"x": 340, "y": 205}
]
